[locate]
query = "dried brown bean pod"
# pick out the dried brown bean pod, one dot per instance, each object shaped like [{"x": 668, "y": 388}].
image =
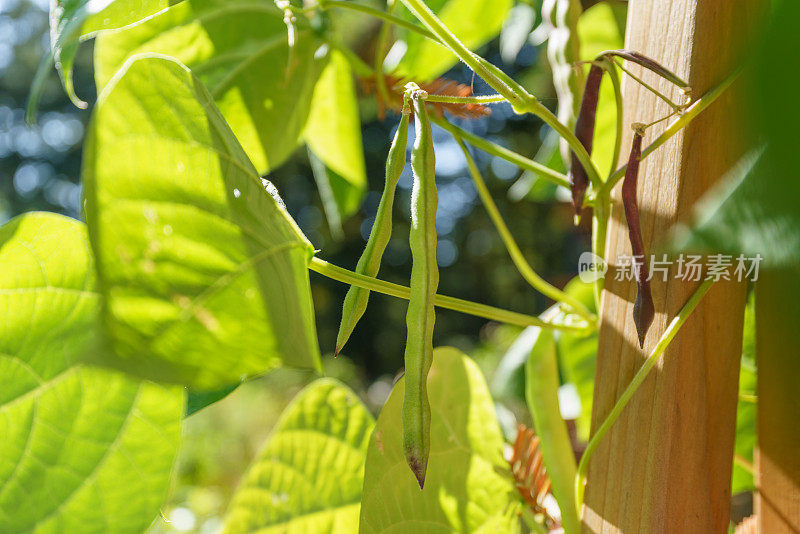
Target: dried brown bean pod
[
  {"x": 584, "y": 131},
  {"x": 650, "y": 64},
  {"x": 643, "y": 309}
]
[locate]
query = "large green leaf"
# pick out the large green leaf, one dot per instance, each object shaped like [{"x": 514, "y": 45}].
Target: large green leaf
[
  {"x": 309, "y": 475},
  {"x": 204, "y": 272},
  {"x": 475, "y": 22},
  {"x": 465, "y": 488},
  {"x": 82, "y": 450},
  {"x": 601, "y": 28},
  {"x": 239, "y": 50},
  {"x": 333, "y": 133},
  {"x": 72, "y": 21}
]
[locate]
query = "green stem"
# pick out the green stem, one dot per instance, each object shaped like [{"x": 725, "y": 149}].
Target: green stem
[
  {"x": 602, "y": 208},
  {"x": 513, "y": 92},
  {"x": 747, "y": 397},
  {"x": 602, "y": 201},
  {"x": 688, "y": 116},
  {"x": 538, "y": 109},
  {"x": 647, "y": 86},
  {"x": 615, "y": 81},
  {"x": 744, "y": 463},
  {"x": 478, "y": 99},
  {"x": 380, "y": 54},
  {"x": 501, "y": 152},
  {"x": 340, "y": 274},
  {"x": 393, "y": 19},
  {"x": 524, "y": 268},
  {"x": 638, "y": 379}
]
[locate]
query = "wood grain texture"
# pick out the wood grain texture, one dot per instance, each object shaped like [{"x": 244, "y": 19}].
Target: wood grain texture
[
  {"x": 666, "y": 464},
  {"x": 778, "y": 459}
]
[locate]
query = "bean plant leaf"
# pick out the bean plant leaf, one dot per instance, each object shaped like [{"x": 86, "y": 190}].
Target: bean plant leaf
[
  {"x": 475, "y": 22},
  {"x": 72, "y": 21},
  {"x": 240, "y": 51},
  {"x": 309, "y": 476},
  {"x": 333, "y": 134},
  {"x": 203, "y": 270},
  {"x": 601, "y": 28},
  {"x": 82, "y": 449},
  {"x": 465, "y": 488}
]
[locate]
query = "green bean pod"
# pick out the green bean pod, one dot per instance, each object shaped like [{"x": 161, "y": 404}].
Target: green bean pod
[
  {"x": 355, "y": 302},
  {"x": 424, "y": 281}
]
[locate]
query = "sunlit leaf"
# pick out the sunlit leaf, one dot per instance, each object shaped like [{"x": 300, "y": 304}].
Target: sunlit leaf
[
  {"x": 82, "y": 449},
  {"x": 475, "y": 22},
  {"x": 465, "y": 490},
  {"x": 333, "y": 134},
  {"x": 204, "y": 272},
  {"x": 240, "y": 51},
  {"x": 308, "y": 477}
]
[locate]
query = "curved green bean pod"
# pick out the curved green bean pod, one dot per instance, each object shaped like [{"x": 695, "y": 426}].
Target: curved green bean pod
[
  {"x": 424, "y": 281},
  {"x": 355, "y": 302}
]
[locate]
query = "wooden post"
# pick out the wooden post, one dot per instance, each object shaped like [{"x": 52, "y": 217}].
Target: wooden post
[
  {"x": 778, "y": 459},
  {"x": 666, "y": 464}
]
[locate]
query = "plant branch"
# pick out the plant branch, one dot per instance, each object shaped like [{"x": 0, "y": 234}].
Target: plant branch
[
  {"x": 477, "y": 99},
  {"x": 504, "y": 153},
  {"x": 638, "y": 379},
  {"x": 747, "y": 397},
  {"x": 688, "y": 116},
  {"x": 538, "y": 109},
  {"x": 744, "y": 463},
  {"x": 513, "y": 92},
  {"x": 649, "y": 87},
  {"x": 388, "y": 17},
  {"x": 380, "y": 53},
  {"x": 340, "y": 274},
  {"x": 615, "y": 81},
  {"x": 524, "y": 268}
]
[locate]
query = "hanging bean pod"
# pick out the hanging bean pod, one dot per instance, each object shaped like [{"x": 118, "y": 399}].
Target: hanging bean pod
[
  {"x": 355, "y": 302},
  {"x": 643, "y": 309},
  {"x": 584, "y": 131},
  {"x": 650, "y": 64},
  {"x": 424, "y": 281}
]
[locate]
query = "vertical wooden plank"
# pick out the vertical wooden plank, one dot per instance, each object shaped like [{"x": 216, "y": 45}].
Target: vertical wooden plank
[
  {"x": 666, "y": 464},
  {"x": 778, "y": 353}
]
